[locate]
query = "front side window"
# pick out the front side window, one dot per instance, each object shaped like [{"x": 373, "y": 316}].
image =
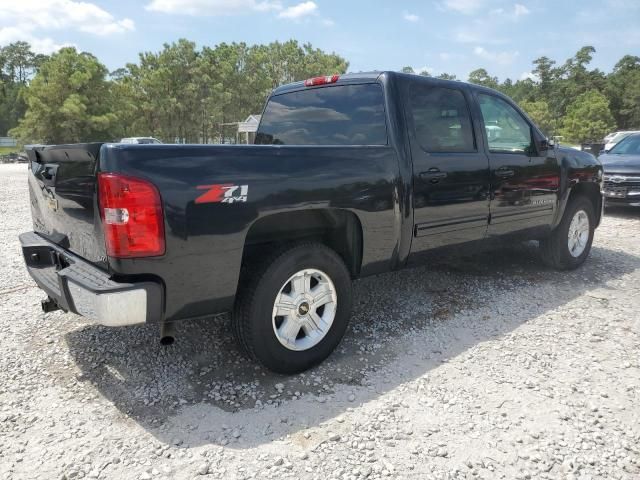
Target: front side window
[
  {"x": 441, "y": 119},
  {"x": 338, "y": 115},
  {"x": 507, "y": 130}
]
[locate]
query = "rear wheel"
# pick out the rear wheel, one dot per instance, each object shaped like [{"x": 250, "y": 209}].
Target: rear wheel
[
  {"x": 569, "y": 244},
  {"x": 294, "y": 308}
]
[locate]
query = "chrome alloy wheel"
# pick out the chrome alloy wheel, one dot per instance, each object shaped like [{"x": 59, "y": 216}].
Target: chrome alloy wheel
[
  {"x": 304, "y": 309},
  {"x": 578, "y": 233}
]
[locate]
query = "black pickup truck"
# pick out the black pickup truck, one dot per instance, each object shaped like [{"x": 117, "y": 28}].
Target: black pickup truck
[{"x": 350, "y": 176}]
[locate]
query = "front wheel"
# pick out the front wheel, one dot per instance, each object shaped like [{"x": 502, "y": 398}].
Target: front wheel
[
  {"x": 568, "y": 246},
  {"x": 294, "y": 308}
]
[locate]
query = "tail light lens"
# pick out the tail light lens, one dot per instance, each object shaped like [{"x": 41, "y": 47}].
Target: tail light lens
[{"x": 131, "y": 212}]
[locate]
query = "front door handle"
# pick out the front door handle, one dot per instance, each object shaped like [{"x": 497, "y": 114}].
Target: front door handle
[
  {"x": 433, "y": 174},
  {"x": 505, "y": 172}
]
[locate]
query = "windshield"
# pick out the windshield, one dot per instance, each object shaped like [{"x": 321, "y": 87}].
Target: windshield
[
  {"x": 628, "y": 146},
  {"x": 618, "y": 137}
]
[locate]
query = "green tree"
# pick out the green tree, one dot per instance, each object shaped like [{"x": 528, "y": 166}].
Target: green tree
[
  {"x": 520, "y": 91},
  {"x": 185, "y": 94},
  {"x": 540, "y": 113},
  {"x": 17, "y": 65},
  {"x": 575, "y": 79},
  {"x": 68, "y": 101},
  {"x": 447, "y": 76},
  {"x": 482, "y": 77},
  {"x": 182, "y": 93},
  {"x": 19, "y": 61},
  {"x": 407, "y": 70},
  {"x": 588, "y": 118},
  {"x": 546, "y": 75},
  {"x": 623, "y": 91}
]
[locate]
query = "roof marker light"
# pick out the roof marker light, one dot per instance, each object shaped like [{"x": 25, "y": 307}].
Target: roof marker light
[{"x": 312, "y": 82}]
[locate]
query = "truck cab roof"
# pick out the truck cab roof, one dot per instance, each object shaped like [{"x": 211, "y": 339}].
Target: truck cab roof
[{"x": 370, "y": 77}]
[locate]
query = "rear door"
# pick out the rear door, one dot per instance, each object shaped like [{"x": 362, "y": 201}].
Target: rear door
[
  {"x": 524, "y": 181},
  {"x": 450, "y": 171}
]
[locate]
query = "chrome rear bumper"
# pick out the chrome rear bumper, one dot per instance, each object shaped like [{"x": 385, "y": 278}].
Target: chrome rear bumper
[{"x": 78, "y": 286}]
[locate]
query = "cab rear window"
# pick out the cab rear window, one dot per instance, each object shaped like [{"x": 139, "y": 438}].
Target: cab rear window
[{"x": 337, "y": 115}]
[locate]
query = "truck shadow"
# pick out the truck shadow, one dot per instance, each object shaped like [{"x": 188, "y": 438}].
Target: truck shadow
[
  {"x": 202, "y": 391},
  {"x": 619, "y": 211}
]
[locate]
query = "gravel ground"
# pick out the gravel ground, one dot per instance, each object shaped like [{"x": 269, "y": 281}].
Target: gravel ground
[{"x": 490, "y": 366}]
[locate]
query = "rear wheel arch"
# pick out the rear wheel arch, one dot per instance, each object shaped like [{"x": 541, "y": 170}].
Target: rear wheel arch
[{"x": 338, "y": 229}]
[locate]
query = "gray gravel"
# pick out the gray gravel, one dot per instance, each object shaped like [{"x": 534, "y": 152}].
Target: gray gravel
[{"x": 490, "y": 366}]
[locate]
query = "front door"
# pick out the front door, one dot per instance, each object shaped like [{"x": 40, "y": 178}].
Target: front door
[
  {"x": 450, "y": 171},
  {"x": 524, "y": 181}
]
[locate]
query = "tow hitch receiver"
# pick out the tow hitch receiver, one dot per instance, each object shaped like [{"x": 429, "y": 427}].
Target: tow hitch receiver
[{"x": 49, "y": 305}]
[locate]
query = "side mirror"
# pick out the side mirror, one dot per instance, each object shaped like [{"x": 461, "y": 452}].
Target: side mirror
[{"x": 544, "y": 144}]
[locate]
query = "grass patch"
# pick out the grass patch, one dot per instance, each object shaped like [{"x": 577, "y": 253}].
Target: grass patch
[{"x": 8, "y": 150}]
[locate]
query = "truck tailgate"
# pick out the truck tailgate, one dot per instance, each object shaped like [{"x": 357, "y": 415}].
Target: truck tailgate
[{"x": 62, "y": 189}]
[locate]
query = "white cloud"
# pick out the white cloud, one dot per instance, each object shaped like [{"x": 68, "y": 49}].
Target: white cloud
[
  {"x": 86, "y": 17},
  {"x": 529, "y": 75},
  {"x": 520, "y": 10},
  {"x": 479, "y": 33},
  {"x": 26, "y": 19},
  {"x": 212, "y": 7},
  {"x": 432, "y": 71},
  {"x": 44, "y": 45},
  {"x": 623, "y": 4},
  {"x": 300, "y": 10},
  {"x": 411, "y": 17},
  {"x": 449, "y": 56},
  {"x": 218, "y": 8},
  {"x": 502, "y": 58},
  {"x": 513, "y": 14},
  {"x": 463, "y": 6}
]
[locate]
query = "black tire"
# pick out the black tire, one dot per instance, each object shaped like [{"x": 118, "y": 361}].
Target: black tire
[
  {"x": 252, "y": 319},
  {"x": 555, "y": 249}
]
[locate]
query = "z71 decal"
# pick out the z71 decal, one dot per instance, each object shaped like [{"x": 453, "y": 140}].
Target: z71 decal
[{"x": 223, "y": 193}]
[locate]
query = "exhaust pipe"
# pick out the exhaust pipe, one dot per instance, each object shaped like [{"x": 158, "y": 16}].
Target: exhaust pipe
[{"x": 167, "y": 334}]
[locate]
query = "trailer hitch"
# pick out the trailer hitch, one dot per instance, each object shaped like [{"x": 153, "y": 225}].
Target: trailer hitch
[{"x": 49, "y": 305}]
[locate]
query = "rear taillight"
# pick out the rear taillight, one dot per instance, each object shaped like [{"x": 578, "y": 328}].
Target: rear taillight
[
  {"x": 131, "y": 212},
  {"x": 312, "y": 82}
]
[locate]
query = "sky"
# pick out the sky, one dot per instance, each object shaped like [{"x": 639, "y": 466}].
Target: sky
[{"x": 453, "y": 36}]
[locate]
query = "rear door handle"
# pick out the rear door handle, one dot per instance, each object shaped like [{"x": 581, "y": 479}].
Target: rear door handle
[
  {"x": 433, "y": 174},
  {"x": 505, "y": 172}
]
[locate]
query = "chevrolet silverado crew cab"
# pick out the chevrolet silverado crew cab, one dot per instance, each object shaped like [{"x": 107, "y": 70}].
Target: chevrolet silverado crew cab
[{"x": 350, "y": 176}]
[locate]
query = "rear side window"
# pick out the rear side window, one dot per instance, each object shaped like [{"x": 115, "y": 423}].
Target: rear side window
[
  {"x": 441, "y": 119},
  {"x": 340, "y": 115}
]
